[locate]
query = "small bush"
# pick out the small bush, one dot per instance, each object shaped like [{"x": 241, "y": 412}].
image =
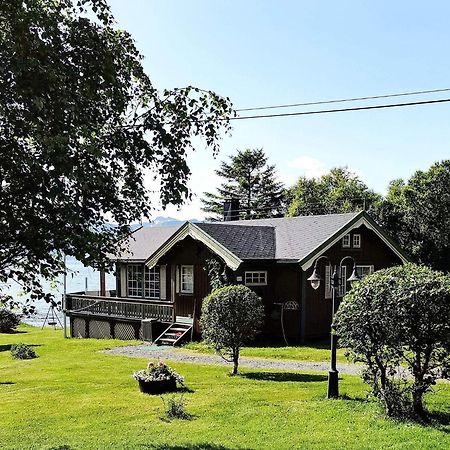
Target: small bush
[
  {"x": 8, "y": 320},
  {"x": 22, "y": 351},
  {"x": 231, "y": 316},
  {"x": 175, "y": 408}
]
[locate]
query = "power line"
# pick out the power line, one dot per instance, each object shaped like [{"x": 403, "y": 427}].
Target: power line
[
  {"x": 354, "y": 99},
  {"x": 326, "y": 111}
]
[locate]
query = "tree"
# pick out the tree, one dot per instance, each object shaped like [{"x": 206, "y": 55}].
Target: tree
[
  {"x": 416, "y": 213},
  {"x": 80, "y": 127},
  {"x": 231, "y": 316},
  {"x": 249, "y": 178},
  {"x": 399, "y": 316},
  {"x": 339, "y": 191}
]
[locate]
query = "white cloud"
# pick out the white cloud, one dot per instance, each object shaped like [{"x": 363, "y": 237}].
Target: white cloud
[{"x": 310, "y": 167}]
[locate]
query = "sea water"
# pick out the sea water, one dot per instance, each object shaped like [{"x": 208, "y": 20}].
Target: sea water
[{"x": 79, "y": 279}]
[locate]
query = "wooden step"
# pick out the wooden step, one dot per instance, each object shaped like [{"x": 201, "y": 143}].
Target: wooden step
[{"x": 174, "y": 333}]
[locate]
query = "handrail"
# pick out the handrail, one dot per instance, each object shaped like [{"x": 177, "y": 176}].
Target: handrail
[
  {"x": 122, "y": 299},
  {"x": 119, "y": 307}
]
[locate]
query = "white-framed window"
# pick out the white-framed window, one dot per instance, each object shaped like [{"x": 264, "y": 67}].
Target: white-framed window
[
  {"x": 187, "y": 279},
  {"x": 142, "y": 281},
  {"x": 256, "y": 278},
  {"x": 342, "y": 289},
  {"x": 362, "y": 271},
  {"x": 346, "y": 241},
  {"x": 152, "y": 282},
  {"x": 134, "y": 280},
  {"x": 356, "y": 241}
]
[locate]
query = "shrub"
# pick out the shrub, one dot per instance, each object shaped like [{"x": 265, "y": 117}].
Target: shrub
[
  {"x": 397, "y": 322},
  {"x": 22, "y": 351},
  {"x": 175, "y": 408},
  {"x": 8, "y": 320},
  {"x": 231, "y": 316}
]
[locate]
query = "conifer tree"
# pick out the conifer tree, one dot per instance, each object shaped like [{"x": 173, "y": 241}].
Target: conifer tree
[{"x": 250, "y": 179}]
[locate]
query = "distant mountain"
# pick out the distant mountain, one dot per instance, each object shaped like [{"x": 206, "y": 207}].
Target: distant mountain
[{"x": 161, "y": 221}]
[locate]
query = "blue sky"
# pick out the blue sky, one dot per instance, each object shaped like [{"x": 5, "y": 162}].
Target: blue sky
[{"x": 273, "y": 52}]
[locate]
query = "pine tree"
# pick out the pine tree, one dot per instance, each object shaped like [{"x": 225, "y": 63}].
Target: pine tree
[{"x": 249, "y": 178}]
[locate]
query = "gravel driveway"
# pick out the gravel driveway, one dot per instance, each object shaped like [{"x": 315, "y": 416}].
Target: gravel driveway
[{"x": 168, "y": 353}]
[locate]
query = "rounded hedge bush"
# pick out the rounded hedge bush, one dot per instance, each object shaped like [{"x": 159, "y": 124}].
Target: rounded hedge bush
[{"x": 8, "y": 320}]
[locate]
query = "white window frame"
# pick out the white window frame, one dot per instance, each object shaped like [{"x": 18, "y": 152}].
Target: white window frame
[
  {"x": 142, "y": 282},
  {"x": 342, "y": 289},
  {"x": 152, "y": 282},
  {"x": 356, "y": 241},
  {"x": 135, "y": 280},
  {"x": 183, "y": 275},
  {"x": 346, "y": 241},
  {"x": 255, "y": 277},
  {"x": 362, "y": 267}
]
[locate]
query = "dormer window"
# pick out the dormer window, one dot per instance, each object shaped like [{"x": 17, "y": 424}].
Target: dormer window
[
  {"x": 346, "y": 241},
  {"x": 356, "y": 241}
]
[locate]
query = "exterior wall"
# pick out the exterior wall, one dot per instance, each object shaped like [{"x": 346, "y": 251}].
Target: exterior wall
[
  {"x": 283, "y": 285},
  {"x": 317, "y": 309},
  {"x": 188, "y": 252}
]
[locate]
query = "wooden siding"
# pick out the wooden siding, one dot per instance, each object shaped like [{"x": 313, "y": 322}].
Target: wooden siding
[
  {"x": 283, "y": 285},
  {"x": 316, "y": 308},
  {"x": 188, "y": 252}
]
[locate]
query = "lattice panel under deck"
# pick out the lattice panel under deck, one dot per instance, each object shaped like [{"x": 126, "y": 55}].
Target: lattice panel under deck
[
  {"x": 99, "y": 329},
  {"x": 124, "y": 331},
  {"x": 78, "y": 328}
]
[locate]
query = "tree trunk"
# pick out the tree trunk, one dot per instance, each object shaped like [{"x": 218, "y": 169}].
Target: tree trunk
[
  {"x": 235, "y": 361},
  {"x": 418, "y": 403}
]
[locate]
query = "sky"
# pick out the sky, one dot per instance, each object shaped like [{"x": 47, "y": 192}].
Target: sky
[{"x": 265, "y": 52}]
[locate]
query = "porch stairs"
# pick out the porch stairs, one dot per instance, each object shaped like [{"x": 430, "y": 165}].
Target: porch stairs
[{"x": 177, "y": 332}]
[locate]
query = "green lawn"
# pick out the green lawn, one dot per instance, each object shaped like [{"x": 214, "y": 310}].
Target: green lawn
[
  {"x": 73, "y": 397},
  {"x": 319, "y": 351}
]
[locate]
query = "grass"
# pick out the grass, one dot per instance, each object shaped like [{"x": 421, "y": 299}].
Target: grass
[
  {"x": 74, "y": 397},
  {"x": 314, "y": 352}
]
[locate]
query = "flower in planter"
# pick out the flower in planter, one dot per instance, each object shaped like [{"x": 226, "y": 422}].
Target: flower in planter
[{"x": 158, "y": 372}]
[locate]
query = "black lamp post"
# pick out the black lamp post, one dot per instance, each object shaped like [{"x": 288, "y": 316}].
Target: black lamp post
[{"x": 333, "y": 374}]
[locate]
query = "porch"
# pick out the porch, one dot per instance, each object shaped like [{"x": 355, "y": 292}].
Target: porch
[{"x": 109, "y": 317}]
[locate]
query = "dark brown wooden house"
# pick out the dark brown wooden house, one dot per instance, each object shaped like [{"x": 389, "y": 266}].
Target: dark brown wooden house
[{"x": 162, "y": 278}]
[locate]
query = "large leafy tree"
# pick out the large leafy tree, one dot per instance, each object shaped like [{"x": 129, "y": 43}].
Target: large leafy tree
[
  {"x": 339, "y": 191},
  {"x": 399, "y": 318},
  {"x": 417, "y": 213},
  {"x": 249, "y": 178},
  {"x": 80, "y": 126}
]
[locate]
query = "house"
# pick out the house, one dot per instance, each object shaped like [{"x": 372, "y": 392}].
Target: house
[{"x": 162, "y": 277}]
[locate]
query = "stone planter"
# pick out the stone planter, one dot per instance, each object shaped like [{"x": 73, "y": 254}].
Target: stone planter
[{"x": 157, "y": 387}]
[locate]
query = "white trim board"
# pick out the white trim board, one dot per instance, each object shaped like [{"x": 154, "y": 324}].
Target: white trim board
[{"x": 192, "y": 230}]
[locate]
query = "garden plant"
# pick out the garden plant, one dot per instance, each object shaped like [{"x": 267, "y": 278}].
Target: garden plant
[
  {"x": 397, "y": 322},
  {"x": 231, "y": 316}
]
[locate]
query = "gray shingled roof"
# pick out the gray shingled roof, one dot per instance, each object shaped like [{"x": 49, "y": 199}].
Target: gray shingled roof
[
  {"x": 254, "y": 242},
  {"x": 297, "y": 237},
  {"x": 145, "y": 241},
  {"x": 292, "y": 238}
]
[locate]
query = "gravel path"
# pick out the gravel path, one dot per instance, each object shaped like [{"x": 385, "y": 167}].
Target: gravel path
[{"x": 152, "y": 351}]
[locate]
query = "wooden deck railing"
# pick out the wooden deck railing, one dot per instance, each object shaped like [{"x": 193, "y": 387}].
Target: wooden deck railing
[{"x": 118, "y": 307}]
